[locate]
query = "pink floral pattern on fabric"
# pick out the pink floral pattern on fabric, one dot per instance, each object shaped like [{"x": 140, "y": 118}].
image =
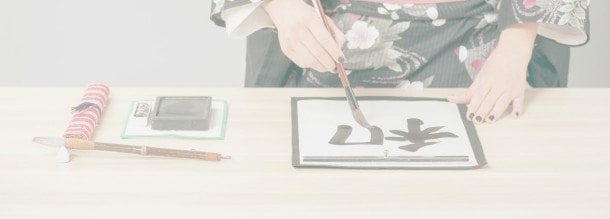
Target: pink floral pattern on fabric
[
  {"x": 361, "y": 35},
  {"x": 529, "y": 3},
  {"x": 477, "y": 64}
]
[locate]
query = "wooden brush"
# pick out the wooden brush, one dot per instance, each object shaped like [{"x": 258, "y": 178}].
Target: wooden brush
[{"x": 79, "y": 144}]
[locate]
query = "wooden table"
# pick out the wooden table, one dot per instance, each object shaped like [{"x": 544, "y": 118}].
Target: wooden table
[{"x": 554, "y": 162}]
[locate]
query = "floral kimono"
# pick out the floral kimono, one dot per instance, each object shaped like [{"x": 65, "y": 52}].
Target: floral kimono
[{"x": 435, "y": 45}]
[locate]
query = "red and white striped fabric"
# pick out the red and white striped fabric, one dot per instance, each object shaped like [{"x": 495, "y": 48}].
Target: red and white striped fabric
[{"x": 86, "y": 115}]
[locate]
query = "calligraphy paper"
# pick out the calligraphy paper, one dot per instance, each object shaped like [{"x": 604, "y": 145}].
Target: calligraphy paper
[{"x": 418, "y": 133}]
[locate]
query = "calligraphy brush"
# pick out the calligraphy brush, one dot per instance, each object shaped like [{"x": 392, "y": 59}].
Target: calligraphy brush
[
  {"x": 79, "y": 144},
  {"x": 351, "y": 97}
]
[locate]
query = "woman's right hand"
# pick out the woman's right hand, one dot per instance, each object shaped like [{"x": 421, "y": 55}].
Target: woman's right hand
[{"x": 303, "y": 36}]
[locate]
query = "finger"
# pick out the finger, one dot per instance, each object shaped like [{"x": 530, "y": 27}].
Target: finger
[
  {"x": 304, "y": 59},
  {"x": 487, "y": 105},
  {"x": 460, "y": 98},
  {"x": 466, "y": 98},
  {"x": 477, "y": 98},
  {"x": 518, "y": 106},
  {"x": 318, "y": 52},
  {"x": 284, "y": 41},
  {"x": 324, "y": 38},
  {"x": 288, "y": 49},
  {"x": 291, "y": 54},
  {"x": 499, "y": 109},
  {"x": 338, "y": 33}
]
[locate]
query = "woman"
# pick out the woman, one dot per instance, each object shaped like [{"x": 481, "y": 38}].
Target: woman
[{"x": 494, "y": 47}]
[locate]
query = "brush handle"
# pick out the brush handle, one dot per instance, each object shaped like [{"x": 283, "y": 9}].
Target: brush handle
[
  {"x": 351, "y": 97},
  {"x": 79, "y": 144},
  {"x": 341, "y": 70}
]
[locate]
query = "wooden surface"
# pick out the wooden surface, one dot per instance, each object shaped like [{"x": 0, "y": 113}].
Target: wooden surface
[{"x": 554, "y": 162}]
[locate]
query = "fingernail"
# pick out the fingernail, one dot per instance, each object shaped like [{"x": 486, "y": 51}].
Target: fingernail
[
  {"x": 478, "y": 118},
  {"x": 517, "y": 114},
  {"x": 341, "y": 60},
  {"x": 491, "y": 118},
  {"x": 470, "y": 116}
]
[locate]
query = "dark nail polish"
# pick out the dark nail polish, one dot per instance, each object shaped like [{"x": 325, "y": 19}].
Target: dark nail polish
[
  {"x": 470, "y": 116},
  {"x": 478, "y": 118},
  {"x": 341, "y": 60},
  {"x": 517, "y": 114},
  {"x": 491, "y": 118}
]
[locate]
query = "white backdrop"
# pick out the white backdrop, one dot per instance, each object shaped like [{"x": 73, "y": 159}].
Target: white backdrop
[{"x": 164, "y": 43}]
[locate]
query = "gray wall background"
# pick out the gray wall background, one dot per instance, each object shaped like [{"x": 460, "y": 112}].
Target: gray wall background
[{"x": 167, "y": 43}]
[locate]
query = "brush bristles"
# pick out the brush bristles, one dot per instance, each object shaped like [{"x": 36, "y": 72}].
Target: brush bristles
[
  {"x": 359, "y": 117},
  {"x": 49, "y": 141}
]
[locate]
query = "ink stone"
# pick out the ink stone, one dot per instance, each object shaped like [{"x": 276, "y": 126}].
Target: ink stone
[{"x": 181, "y": 113}]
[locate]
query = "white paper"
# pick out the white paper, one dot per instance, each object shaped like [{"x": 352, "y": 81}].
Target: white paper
[
  {"x": 139, "y": 127},
  {"x": 318, "y": 120}
]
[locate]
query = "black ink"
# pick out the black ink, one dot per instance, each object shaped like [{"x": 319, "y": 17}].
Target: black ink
[
  {"x": 344, "y": 131},
  {"x": 418, "y": 137}
]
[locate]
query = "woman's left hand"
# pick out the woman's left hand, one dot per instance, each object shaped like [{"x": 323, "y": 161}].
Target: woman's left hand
[{"x": 502, "y": 80}]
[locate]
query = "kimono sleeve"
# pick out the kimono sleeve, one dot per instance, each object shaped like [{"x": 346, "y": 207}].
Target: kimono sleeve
[
  {"x": 240, "y": 17},
  {"x": 564, "y": 21}
]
